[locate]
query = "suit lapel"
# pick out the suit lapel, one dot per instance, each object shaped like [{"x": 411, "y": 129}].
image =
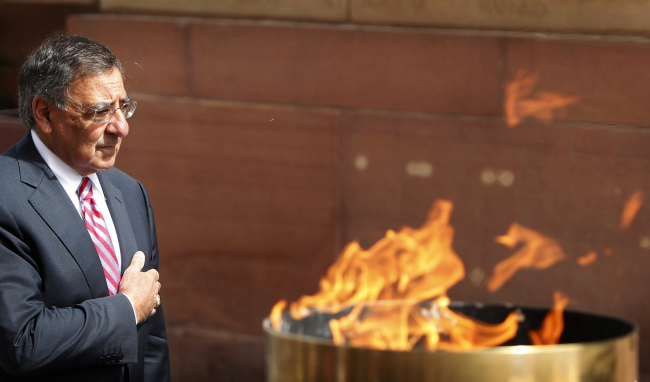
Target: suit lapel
[
  {"x": 120, "y": 216},
  {"x": 53, "y": 205}
]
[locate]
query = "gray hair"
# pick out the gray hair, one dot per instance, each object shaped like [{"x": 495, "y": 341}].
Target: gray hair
[{"x": 55, "y": 66}]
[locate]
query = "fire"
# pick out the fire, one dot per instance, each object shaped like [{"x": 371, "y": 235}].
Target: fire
[
  {"x": 394, "y": 295},
  {"x": 276, "y": 314},
  {"x": 587, "y": 259},
  {"x": 537, "y": 251},
  {"x": 467, "y": 333},
  {"x": 400, "y": 273},
  {"x": 631, "y": 208},
  {"x": 553, "y": 324},
  {"x": 402, "y": 326},
  {"x": 409, "y": 265},
  {"x": 541, "y": 106}
]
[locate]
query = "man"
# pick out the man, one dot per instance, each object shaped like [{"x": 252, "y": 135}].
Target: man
[{"x": 78, "y": 250}]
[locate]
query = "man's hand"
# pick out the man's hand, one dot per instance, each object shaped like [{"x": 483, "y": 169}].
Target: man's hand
[{"x": 140, "y": 287}]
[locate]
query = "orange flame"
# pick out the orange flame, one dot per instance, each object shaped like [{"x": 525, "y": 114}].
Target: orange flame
[
  {"x": 553, "y": 324},
  {"x": 395, "y": 291},
  {"x": 406, "y": 276},
  {"x": 587, "y": 259},
  {"x": 541, "y": 105},
  {"x": 413, "y": 264},
  {"x": 400, "y": 327},
  {"x": 467, "y": 333},
  {"x": 538, "y": 251},
  {"x": 276, "y": 314},
  {"x": 631, "y": 208}
]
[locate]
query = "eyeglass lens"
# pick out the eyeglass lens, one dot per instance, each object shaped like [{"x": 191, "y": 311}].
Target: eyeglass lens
[{"x": 128, "y": 108}]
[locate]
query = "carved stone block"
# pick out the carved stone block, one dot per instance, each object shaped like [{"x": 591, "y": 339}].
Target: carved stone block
[
  {"x": 602, "y": 16},
  {"x": 322, "y": 10}
]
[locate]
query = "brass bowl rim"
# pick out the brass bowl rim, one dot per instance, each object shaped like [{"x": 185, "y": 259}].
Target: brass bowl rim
[{"x": 517, "y": 349}]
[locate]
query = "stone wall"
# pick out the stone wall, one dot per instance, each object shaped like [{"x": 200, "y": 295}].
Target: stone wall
[
  {"x": 267, "y": 145},
  {"x": 271, "y": 133},
  {"x": 23, "y": 26},
  {"x": 592, "y": 16},
  {"x": 11, "y": 129}
]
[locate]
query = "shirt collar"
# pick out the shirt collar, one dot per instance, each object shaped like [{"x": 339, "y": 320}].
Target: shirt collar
[{"x": 67, "y": 176}]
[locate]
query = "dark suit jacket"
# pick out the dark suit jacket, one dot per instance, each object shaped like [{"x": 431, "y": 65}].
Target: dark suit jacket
[{"x": 57, "y": 322}]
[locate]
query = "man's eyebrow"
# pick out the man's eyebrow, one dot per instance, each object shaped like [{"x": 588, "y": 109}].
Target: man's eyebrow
[
  {"x": 101, "y": 105},
  {"x": 108, "y": 104}
]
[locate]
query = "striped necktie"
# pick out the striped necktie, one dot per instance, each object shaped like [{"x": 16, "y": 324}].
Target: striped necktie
[{"x": 99, "y": 234}]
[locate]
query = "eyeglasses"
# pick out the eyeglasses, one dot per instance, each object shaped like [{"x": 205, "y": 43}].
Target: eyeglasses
[{"x": 104, "y": 115}]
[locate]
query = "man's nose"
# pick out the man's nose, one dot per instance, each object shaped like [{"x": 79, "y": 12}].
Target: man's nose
[{"x": 117, "y": 124}]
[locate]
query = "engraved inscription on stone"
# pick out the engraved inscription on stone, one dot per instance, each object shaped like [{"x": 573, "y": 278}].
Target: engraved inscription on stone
[
  {"x": 256, "y": 2},
  {"x": 396, "y": 4},
  {"x": 611, "y": 16},
  {"x": 524, "y": 8},
  {"x": 297, "y": 9},
  {"x": 619, "y": 2}
]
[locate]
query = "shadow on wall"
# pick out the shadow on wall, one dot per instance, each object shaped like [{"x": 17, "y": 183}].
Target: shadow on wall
[
  {"x": 11, "y": 129},
  {"x": 5, "y": 100}
]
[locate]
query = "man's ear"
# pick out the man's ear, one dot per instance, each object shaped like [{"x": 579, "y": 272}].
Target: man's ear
[{"x": 42, "y": 114}]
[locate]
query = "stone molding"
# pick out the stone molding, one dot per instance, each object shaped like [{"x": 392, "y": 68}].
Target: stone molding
[{"x": 575, "y": 16}]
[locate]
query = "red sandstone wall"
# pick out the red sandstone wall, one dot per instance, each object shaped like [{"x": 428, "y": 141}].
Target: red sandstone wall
[
  {"x": 23, "y": 26},
  {"x": 251, "y": 135},
  {"x": 11, "y": 129}
]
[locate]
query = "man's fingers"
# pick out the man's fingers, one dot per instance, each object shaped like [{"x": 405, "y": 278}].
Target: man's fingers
[
  {"x": 153, "y": 273},
  {"x": 137, "y": 262},
  {"x": 141, "y": 287}
]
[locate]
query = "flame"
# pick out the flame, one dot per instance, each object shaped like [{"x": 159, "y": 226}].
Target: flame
[
  {"x": 631, "y": 208},
  {"x": 467, "y": 333},
  {"x": 396, "y": 293},
  {"x": 276, "y": 314},
  {"x": 541, "y": 105},
  {"x": 412, "y": 264},
  {"x": 401, "y": 327},
  {"x": 587, "y": 259},
  {"x": 553, "y": 324},
  {"x": 537, "y": 251}
]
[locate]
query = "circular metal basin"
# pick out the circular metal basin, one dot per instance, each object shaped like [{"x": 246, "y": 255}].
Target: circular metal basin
[{"x": 593, "y": 348}]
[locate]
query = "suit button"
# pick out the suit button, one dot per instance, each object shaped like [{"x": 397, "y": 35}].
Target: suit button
[
  {"x": 120, "y": 357},
  {"x": 101, "y": 359}
]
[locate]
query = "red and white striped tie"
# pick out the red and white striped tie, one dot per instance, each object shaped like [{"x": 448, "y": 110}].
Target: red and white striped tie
[{"x": 99, "y": 234}]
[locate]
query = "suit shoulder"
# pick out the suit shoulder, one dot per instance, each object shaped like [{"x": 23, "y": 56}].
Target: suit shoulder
[
  {"x": 8, "y": 157},
  {"x": 8, "y": 165},
  {"x": 118, "y": 176},
  {"x": 122, "y": 180}
]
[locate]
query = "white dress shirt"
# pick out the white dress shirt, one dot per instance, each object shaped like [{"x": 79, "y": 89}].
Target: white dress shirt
[{"x": 70, "y": 180}]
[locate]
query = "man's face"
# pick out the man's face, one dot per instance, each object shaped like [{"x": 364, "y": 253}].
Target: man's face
[{"x": 82, "y": 143}]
